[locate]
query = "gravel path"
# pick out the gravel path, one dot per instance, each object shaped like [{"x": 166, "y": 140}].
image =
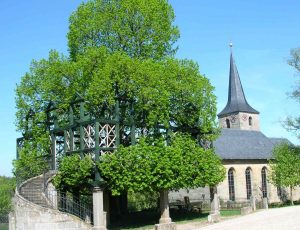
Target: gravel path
[{"x": 287, "y": 218}]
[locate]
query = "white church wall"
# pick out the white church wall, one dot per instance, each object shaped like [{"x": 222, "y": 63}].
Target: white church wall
[
  {"x": 256, "y": 183},
  {"x": 241, "y": 121}
]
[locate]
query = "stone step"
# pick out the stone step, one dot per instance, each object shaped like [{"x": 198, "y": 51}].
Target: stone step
[{"x": 32, "y": 191}]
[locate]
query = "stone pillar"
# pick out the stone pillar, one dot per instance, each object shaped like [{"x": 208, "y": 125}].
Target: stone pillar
[
  {"x": 165, "y": 222},
  {"x": 215, "y": 205},
  {"x": 12, "y": 221},
  {"x": 214, "y": 215},
  {"x": 99, "y": 214},
  {"x": 253, "y": 203},
  {"x": 265, "y": 203}
]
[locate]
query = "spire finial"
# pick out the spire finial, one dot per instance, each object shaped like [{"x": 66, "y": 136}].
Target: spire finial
[{"x": 230, "y": 45}]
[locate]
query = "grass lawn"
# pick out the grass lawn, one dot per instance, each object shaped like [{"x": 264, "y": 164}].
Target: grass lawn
[
  {"x": 147, "y": 219},
  {"x": 3, "y": 226},
  {"x": 234, "y": 212}
]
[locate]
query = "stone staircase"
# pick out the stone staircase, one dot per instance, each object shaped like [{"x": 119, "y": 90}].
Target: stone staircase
[
  {"x": 33, "y": 190},
  {"x": 33, "y": 210}
]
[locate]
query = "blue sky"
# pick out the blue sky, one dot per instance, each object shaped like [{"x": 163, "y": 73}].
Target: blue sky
[{"x": 263, "y": 32}]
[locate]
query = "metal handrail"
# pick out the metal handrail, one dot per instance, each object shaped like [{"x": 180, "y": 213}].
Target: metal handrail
[
  {"x": 53, "y": 199},
  {"x": 64, "y": 202}
]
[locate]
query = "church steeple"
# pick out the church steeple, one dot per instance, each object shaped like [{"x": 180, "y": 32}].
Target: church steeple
[
  {"x": 236, "y": 98},
  {"x": 237, "y": 112}
]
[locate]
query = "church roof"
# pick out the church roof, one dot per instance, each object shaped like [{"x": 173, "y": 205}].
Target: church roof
[
  {"x": 235, "y": 144},
  {"x": 236, "y": 98},
  {"x": 276, "y": 140}
]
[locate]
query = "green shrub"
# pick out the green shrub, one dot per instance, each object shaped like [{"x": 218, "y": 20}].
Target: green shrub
[{"x": 138, "y": 201}]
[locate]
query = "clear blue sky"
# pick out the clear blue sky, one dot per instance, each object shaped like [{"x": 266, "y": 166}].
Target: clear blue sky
[{"x": 263, "y": 32}]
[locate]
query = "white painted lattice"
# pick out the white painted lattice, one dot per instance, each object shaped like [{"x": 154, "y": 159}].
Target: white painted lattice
[
  {"x": 68, "y": 141},
  {"x": 89, "y": 136},
  {"x": 107, "y": 136}
]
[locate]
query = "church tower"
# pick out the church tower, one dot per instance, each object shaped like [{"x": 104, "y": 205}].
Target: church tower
[{"x": 237, "y": 114}]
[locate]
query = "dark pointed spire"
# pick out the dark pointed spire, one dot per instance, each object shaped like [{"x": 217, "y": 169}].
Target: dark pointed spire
[{"x": 236, "y": 98}]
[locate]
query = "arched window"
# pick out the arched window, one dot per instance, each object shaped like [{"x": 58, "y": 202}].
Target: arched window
[
  {"x": 227, "y": 123},
  {"x": 250, "y": 121},
  {"x": 248, "y": 183},
  {"x": 264, "y": 182},
  {"x": 231, "y": 184}
]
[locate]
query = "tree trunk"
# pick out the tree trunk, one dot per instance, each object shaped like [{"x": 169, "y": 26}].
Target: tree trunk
[
  {"x": 164, "y": 208},
  {"x": 291, "y": 195}
]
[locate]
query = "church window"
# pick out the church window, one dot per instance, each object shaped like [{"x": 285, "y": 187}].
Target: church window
[
  {"x": 250, "y": 121},
  {"x": 227, "y": 123},
  {"x": 231, "y": 184},
  {"x": 248, "y": 183},
  {"x": 264, "y": 182}
]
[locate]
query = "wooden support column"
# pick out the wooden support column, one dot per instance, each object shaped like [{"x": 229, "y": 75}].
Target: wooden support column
[
  {"x": 117, "y": 119},
  {"x": 53, "y": 152}
]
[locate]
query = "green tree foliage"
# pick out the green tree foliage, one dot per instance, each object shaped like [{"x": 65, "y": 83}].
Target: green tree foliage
[
  {"x": 139, "y": 201},
  {"x": 285, "y": 167},
  {"x": 30, "y": 164},
  {"x": 46, "y": 81},
  {"x": 154, "y": 166},
  {"x": 141, "y": 29},
  {"x": 75, "y": 174},
  {"x": 7, "y": 186},
  {"x": 121, "y": 52},
  {"x": 33, "y": 157},
  {"x": 293, "y": 123},
  {"x": 169, "y": 92}
]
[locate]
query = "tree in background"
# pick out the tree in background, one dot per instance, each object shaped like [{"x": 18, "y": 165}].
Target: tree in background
[
  {"x": 6, "y": 193},
  {"x": 141, "y": 29},
  {"x": 157, "y": 167},
  {"x": 285, "y": 167},
  {"x": 121, "y": 52},
  {"x": 75, "y": 174},
  {"x": 166, "y": 92},
  {"x": 293, "y": 123}
]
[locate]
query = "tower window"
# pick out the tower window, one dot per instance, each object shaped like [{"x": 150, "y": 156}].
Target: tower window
[
  {"x": 250, "y": 121},
  {"x": 248, "y": 183},
  {"x": 231, "y": 184},
  {"x": 264, "y": 182},
  {"x": 227, "y": 123}
]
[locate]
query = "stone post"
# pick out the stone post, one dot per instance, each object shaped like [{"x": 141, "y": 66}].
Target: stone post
[
  {"x": 12, "y": 221},
  {"x": 265, "y": 203},
  {"x": 99, "y": 214},
  {"x": 215, "y": 205},
  {"x": 165, "y": 222},
  {"x": 253, "y": 203}
]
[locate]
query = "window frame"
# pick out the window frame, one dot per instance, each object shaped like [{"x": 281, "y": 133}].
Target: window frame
[
  {"x": 248, "y": 176},
  {"x": 231, "y": 185},
  {"x": 264, "y": 185},
  {"x": 227, "y": 123},
  {"x": 250, "y": 121}
]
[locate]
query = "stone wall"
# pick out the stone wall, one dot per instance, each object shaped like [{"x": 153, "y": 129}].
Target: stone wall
[
  {"x": 27, "y": 215},
  {"x": 193, "y": 194},
  {"x": 241, "y": 121},
  {"x": 256, "y": 181},
  {"x": 240, "y": 185}
]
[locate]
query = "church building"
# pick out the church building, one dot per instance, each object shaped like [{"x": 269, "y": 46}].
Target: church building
[{"x": 244, "y": 149}]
